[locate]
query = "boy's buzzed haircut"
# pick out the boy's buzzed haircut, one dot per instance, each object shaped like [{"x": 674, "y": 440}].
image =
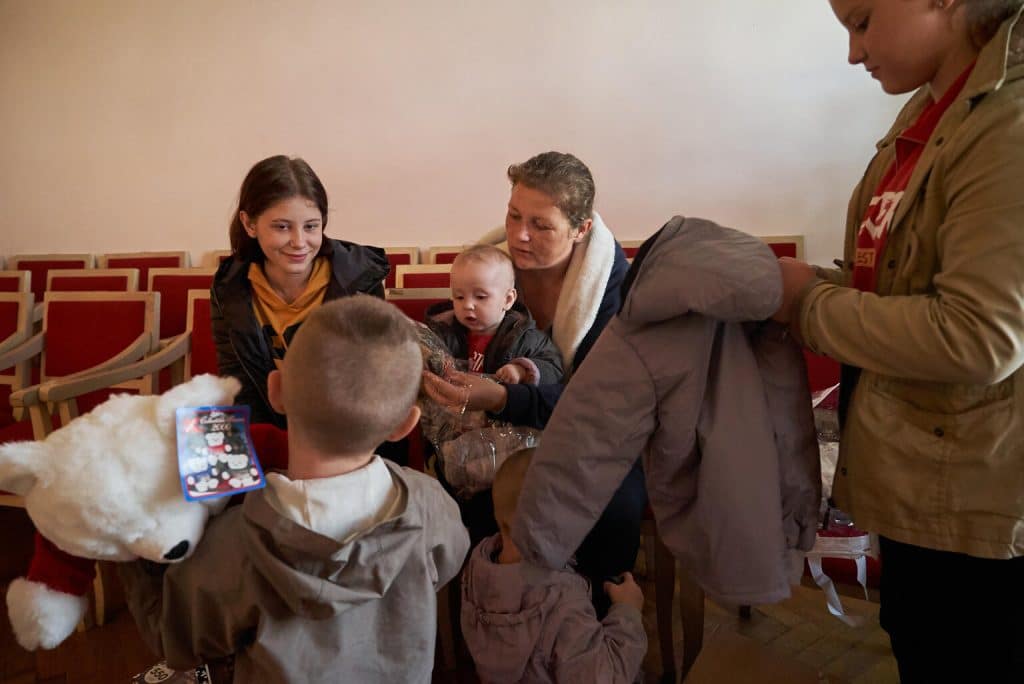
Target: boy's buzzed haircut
[
  {"x": 488, "y": 254},
  {"x": 508, "y": 482},
  {"x": 351, "y": 374}
]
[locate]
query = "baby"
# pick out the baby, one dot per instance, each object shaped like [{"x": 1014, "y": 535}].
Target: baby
[{"x": 482, "y": 325}]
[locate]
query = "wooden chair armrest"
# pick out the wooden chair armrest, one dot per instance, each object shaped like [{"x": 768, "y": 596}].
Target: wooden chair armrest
[
  {"x": 25, "y": 398},
  {"x": 101, "y": 377},
  {"x": 13, "y": 341},
  {"x": 33, "y": 346}
]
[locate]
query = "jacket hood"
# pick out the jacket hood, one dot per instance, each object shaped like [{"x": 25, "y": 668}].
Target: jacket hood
[
  {"x": 335, "y": 576},
  {"x": 504, "y": 610},
  {"x": 364, "y": 266},
  {"x": 696, "y": 266}
]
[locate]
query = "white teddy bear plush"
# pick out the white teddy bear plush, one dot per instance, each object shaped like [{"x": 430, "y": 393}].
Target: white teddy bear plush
[{"x": 104, "y": 487}]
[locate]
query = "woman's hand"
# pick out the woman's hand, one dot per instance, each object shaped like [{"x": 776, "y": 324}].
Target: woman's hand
[
  {"x": 460, "y": 391},
  {"x": 796, "y": 275}
]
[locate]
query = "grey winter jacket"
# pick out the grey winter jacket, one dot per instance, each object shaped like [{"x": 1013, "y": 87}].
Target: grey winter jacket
[
  {"x": 719, "y": 407},
  {"x": 295, "y": 606},
  {"x": 523, "y": 623}
]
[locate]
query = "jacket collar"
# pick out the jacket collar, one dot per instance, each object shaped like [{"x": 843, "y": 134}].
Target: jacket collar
[
  {"x": 1000, "y": 60},
  {"x": 318, "y": 576}
]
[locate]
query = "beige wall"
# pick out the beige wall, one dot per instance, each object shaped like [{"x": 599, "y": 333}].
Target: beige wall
[{"x": 128, "y": 125}]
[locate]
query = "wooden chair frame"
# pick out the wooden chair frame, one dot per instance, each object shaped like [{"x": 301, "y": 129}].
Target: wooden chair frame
[
  {"x": 183, "y": 258},
  {"x": 798, "y": 240},
  {"x": 193, "y": 295},
  {"x": 195, "y": 271},
  {"x": 24, "y": 279},
  {"x": 185, "y": 271},
  {"x": 131, "y": 274},
  {"x": 395, "y": 294},
  {"x": 413, "y": 252},
  {"x": 24, "y": 329},
  {"x": 88, "y": 259},
  {"x": 432, "y": 252},
  {"x": 20, "y": 375},
  {"x": 214, "y": 258},
  {"x": 62, "y": 391},
  {"x": 402, "y": 269}
]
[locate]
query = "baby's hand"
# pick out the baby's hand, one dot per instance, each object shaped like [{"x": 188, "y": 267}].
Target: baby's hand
[
  {"x": 628, "y": 592},
  {"x": 510, "y": 374}
]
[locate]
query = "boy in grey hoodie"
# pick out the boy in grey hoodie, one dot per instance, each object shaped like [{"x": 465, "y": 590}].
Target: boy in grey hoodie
[
  {"x": 524, "y": 623},
  {"x": 312, "y": 578}
]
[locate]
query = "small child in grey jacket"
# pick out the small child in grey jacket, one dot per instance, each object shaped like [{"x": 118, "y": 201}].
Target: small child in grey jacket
[{"x": 524, "y": 623}]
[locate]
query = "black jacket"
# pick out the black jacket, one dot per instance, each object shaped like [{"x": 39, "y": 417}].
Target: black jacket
[
  {"x": 516, "y": 337},
  {"x": 531, "y": 405},
  {"x": 243, "y": 350}
]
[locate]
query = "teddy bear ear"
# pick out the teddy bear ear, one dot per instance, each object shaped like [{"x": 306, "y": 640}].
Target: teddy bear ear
[
  {"x": 202, "y": 390},
  {"x": 20, "y": 463}
]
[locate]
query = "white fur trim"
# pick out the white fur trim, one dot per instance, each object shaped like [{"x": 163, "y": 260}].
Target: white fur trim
[
  {"x": 583, "y": 289},
  {"x": 40, "y": 616}
]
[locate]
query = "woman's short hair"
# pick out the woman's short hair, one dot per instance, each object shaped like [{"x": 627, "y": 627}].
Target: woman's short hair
[
  {"x": 984, "y": 17},
  {"x": 562, "y": 176},
  {"x": 268, "y": 182}
]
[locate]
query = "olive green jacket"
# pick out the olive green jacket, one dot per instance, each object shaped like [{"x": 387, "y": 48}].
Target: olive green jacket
[{"x": 932, "y": 449}]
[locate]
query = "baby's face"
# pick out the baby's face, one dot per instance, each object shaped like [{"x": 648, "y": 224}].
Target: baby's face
[{"x": 481, "y": 294}]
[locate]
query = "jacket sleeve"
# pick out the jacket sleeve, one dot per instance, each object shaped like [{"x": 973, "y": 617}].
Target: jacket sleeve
[
  {"x": 228, "y": 364},
  {"x": 587, "y": 651},
  {"x": 448, "y": 541},
  {"x": 530, "y": 405},
  {"x": 541, "y": 350},
  {"x": 969, "y": 328},
  {"x": 376, "y": 290},
  {"x": 193, "y": 612},
  {"x": 227, "y": 361},
  {"x": 600, "y": 426}
]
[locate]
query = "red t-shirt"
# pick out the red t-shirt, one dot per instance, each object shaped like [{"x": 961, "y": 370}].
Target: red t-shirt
[
  {"x": 477, "y": 347},
  {"x": 874, "y": 229}
]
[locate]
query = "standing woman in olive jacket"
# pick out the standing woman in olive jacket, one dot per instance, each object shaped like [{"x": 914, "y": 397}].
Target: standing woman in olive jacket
[{"x": 282, "y": 267}]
